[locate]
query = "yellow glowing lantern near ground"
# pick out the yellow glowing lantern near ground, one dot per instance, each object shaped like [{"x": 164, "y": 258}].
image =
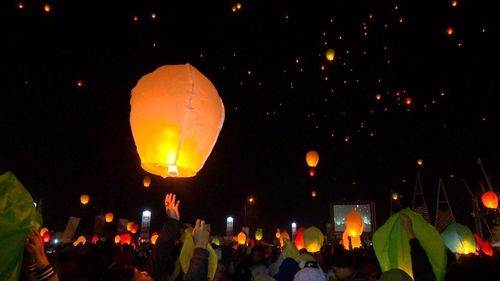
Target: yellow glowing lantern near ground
[
  {"x": 84, "y": 199},
  {"x": 176, "y": 116},
  {"x": 330, "y": 54},
  {"x": 354, "y": 224},
  {"x": 154, "y": 237},
  {"x": 108, "y": 217},
  {"x": 312, "y": 158},
  {"x": 313, "y": 239},
  {"x": 258, "y": 234},
  {"x": 146, "y": 181}
]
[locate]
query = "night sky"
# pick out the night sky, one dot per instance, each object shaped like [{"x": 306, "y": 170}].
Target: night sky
[{"x": 410, "y": 80}]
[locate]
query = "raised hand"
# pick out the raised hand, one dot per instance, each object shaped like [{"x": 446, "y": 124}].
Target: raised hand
[
  {"x": 172, "y": 207},
  {"x": 200, "y": 234},
  {"x": 34, "y": 246}
]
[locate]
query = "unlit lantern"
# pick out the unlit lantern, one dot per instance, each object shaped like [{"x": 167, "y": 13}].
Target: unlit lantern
[{"x": 176, "y": 116}]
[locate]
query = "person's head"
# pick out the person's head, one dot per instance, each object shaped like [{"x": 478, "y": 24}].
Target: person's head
[
  {"x": 395, "y": 274},
  {"x": 257, "y": 254},
  {"x": 344, "y": 263},
  {"x": 125, "y": 272}
]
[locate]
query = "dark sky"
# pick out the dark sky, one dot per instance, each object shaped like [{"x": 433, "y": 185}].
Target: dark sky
[{"x": 265, "y": 59}]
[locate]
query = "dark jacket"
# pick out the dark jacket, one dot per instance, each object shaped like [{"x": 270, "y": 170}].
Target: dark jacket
[
  {"x": 161, "y": 254},
  {"x": 198, "y": 266},
  {"x": 421, "y": 267}
]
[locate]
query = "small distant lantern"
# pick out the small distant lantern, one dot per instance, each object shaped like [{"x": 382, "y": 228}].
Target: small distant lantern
[
  {"x": 43, "y": 231},
  {"x": 238, "y": 6},
  {"x": 146, "y": 181},
  {"x": 95, "y": 238},
  {"x": 241, "y": 238},
  {"x": 258, "y": 234},
  {"x": 450, "y": 30},
  {"x": 278, "y": 233},
  {"x": 395, "y": 196},
  {"x": 313, "y": 194},
  {"x": 420, "y": 162},
  {"x": 154, "y": 237},
  {"x": 490, "y": 200},
  {"x": 117, "y": 239},
  {"x": 84, "y": 199},
  {"x": 108, "y": 217},
  {"x": 134, "y": 227},
  {"x": 125, "y": 239},
  {"x": 408, "y": 101},
  {"x": 176, "y": 116},
  {"x": 313, "y": 239},
  {"x": 330, "y": 54},
  {"x": 46, "y": 237},
  {"x": 378, "y": 96},
  {"x": 46, "y": 8}
]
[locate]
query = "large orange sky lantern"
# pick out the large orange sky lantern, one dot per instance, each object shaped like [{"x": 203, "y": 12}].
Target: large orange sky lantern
[
  {"x": 490, "y": 200},
  {"x": 176, "y": 116}
]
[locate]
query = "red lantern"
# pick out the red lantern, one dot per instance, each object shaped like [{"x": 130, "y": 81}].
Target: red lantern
[
  {"x": 125, "y": 239},
  {"x": 490, "y": 200},
  {"x": 46, "y": 237},
  {"x": 95, "y": 238},
  {"x": 487, "y": 249},
  {"x": 299, "y": 239},
  {"x": 312, "y": 172},
  {"x": 134, "y": 227}
]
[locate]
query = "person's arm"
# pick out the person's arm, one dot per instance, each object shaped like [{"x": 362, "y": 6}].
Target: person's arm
[
  {"x": 198, "y": 266},
  {"x": 421, "y": 267},
  {"x": 160, "y": 255},
  {"x": 40, "y": 267}
]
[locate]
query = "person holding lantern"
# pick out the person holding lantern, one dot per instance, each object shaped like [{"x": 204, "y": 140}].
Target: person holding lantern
[{"x": 40, "y": 268}]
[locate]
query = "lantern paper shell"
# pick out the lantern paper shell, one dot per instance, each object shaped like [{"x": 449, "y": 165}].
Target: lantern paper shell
[
  {"x": 108, "y": 217},
  {"x": 176, "y": 116},
  {"x": 258, "y": 234},
  {"x": 84, "y": 199},
  {"x": 392, "y": 247},
  {"x": 284, "y": 235},
  {"x": 241, "y": 238},
  {"x": 312, "y": 158},
  {"x": 459, "y": 239},
  {"x": 354, "y": 224},
  {"x": 490, "y": 200},
  {"x": 313, "y": 239},
  {"x": 299, "y": 239},
  {"x": 330, "y": 54},
  {"x": 154, "y": 237}
]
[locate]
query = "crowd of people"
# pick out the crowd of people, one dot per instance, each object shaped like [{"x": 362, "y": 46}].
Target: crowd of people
[{"x": 106, "y": 260}]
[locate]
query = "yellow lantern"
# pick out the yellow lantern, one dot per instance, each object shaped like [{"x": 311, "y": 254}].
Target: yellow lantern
[
  {"x": 395, "y": 196},
  {"x": 46, "y": 8},
  {"x": 117, "y": 239},
  {"x": 330, "y": 54},
  {"x": 258, "y": 234},
  {"x": 146, "y": 181},
  {"x": 176, "y": 116},
  {"x": 312, "y": 158},
  {"x": 313, "y": 239},
  {"x": 420, "y": 162},
  {"x": 108, "y": 217},
  {"x": 278, "y": 233},
  {"x": 241, "y": 238},
  {"x": 154, "y": 237},
  {"x": 84, "y": 199},
  {"x": 354, "y": 224}
]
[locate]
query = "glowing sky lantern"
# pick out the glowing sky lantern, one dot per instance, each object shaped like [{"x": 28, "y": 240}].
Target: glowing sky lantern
[
  {"x": 395, "y": 196},
  {"x": 450, "y": 30},
  {"x": 278, "y": 233},
  {"x": 46, "y": 237},
  {"x": 454, "y": 3},
  {"x": 108, "y": 217},
  {"x": 95, "y": 238},
  {"x": 84, "y": 199},
  {"x": 46, "y": 8},
  {"x": 284, "y": 235},
  {"x": 43, "y": 230},
  {"x": 330, "y": 54},
  {"x": 258, "y": 234},
  {"x": 313, "y": 239},
  {"x": 378, "y": 96},
  {"x": 238, "y": 6},
  {"x": 146, "y": 181},
  {"x": 299, "y": 239},
  {"x": 133, "y": 228},
  {"x": 313, "y": 194},
  {"x": 241, "y": 238},
  {"x": 459, "y": 239},
  {"x": 129, "y": 225},
  {"x": 354, "y": 224},
  {"x": 125, "y": 239},
  {"x": 312, "y": 158},
  {"x": 117, "y": 239},
  {"x": 354, "y": 243},
  {"x": 490, "y": 200},
  {"x": 81, "y": 239},
  {"x": 154, "y": 237},
  {"x": 420, "y": 162},
  {"x": 408, "y": 101},
  {"x": 176, "y": 116}
]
